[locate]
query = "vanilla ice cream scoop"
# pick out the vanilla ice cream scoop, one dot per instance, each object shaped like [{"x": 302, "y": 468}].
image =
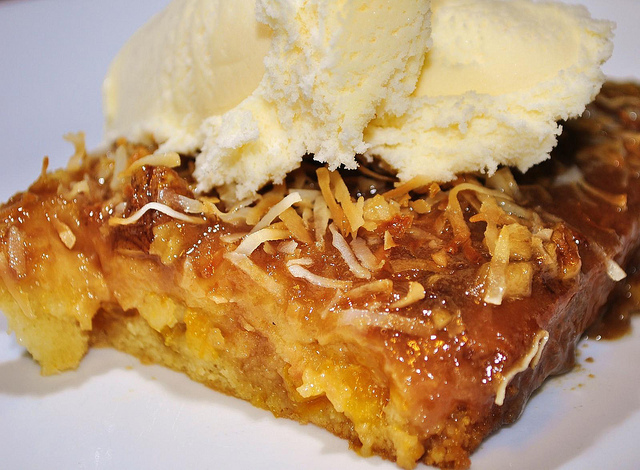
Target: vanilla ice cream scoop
[
  {"x": 499, "y": 76},
  {"x": 251, "y": 86},
  {"x": 296, "y": 77},
  {"x": 195, "y": 59}
]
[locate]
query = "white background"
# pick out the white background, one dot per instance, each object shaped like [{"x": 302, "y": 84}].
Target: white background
[{"x": 116, "y": 413}]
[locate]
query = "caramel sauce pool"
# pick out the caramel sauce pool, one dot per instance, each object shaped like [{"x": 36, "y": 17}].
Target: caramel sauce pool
[{"x": 624, "y": 304}]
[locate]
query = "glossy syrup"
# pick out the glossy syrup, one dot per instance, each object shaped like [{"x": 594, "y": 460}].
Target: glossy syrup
[{"x": 623, "y": 305}]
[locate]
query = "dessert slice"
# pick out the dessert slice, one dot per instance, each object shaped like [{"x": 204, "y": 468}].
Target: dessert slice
[{"x": 413, "y": 319}]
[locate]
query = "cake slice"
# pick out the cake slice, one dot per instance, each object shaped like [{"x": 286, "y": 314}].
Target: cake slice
[{"x": 411, "y": 319}]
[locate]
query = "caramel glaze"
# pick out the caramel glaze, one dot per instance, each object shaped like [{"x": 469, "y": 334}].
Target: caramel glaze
[
  {"x": 456, "y": 369},
  {"x": 444, "y": 379},
  {"x": 605, "y": 145}
]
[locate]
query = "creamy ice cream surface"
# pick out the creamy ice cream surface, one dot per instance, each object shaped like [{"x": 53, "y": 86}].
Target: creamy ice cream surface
[
  {"x": 499, "y": 76},
  {"x": 195, "y": 59},
  {"x": 251, "y": 86},
  {"x": 331, "y": 66}
]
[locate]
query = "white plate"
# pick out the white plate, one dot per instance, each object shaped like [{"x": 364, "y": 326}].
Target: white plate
[{"x": 115, "y": 413}]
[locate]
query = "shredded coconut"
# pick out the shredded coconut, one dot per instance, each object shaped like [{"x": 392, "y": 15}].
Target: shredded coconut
[
  {"x": 363, "y": 318},
  {"x": 168, "y": 159},
  {"x": 255, "y": 239},
  {"x": 298, "y": 271},
  {"x": 276, "y": 210},
  {"x": 381, "y": 285},
  {"x": 321, "y": 216},
  {"x": 296, "y": 225},
  {"x": 65, "y": 233},
  {"x": 300, "y": 262},
  {"x": 288, "y": 247},
  {"x": 349, "y": 257},
  {"x": 339, "y": 218},
  {"x": 190, "y": 205},
  {"x": 531, "y": 359},
  {"x": 365, "y": 256},
  {"x": 416, "y": 293},
  {"x": 133, "y": 218}
]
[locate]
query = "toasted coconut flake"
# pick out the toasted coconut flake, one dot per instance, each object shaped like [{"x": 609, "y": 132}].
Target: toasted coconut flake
[
  {"x": 263, "y": 204},
  {"x": 519, "y": 243},
  {"x": 254, "y": 239},
  {"x": 331, "y": 305},
  {"x": 257, "y": 275},
  {"x": 116, "y": 211},
  {"x": 441, "y": 318},
  {"x": 80, "y": 150},
  {"x": 415, "y": 294},
  {"x": 168, "y": 159},
  {"x": 132, "y": 219},
  {"x": 352, "y": 211},
  {"x": 120, "y": 159},
  {"x": 307, "y": 215},
  {"x": 79, "y": 187},
  {"x": 65, "y": 233},
  {"x": 380, "y": 286},
  {"x": 362, "y": 168},
  {"x": 404, "y": 188},
  {"x": 276, "y": 210},
  {"x": 533, "y": 356},
  {"x": 233, "y": 216},
  {"x": 415, "y": 264},
  {"x": 503, "y": 180},
  {"x": 300, "y": 262},
  {"x": 363, "y": 318},
  {"x": 544, "y": 234},
  {"x": 339, "y": 218},
  {"x": 541, "y": 340},
  {"x": 349, "y": 257},
  {"x": 510, "y": 208},
  {"x": 308, "y": 195},
  {"x": 365, "y": 255},
  {"x": 496, "y": 277},
  {"x": 288, "y": 247},
  {"x": 269, "y": 248},
  {"x": 321, "y": 216},
  {"x": 388, "y": 240},
  {"x": 614, "y": 103},
  {"x": 298, "y": 271},
  {"x": 441, "y": 258},
  {"x": 546, "y": 253},
  {"x": 233, "y": 237},
  {"x": 421, "y": 206},
  {"x": 454, "y": 210},
  {"x": 236, "y": 215},
  {"x": 614, "y": 271},
  {"x": 190, "y": 205},
  {"x": 296, "y": 226}
]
